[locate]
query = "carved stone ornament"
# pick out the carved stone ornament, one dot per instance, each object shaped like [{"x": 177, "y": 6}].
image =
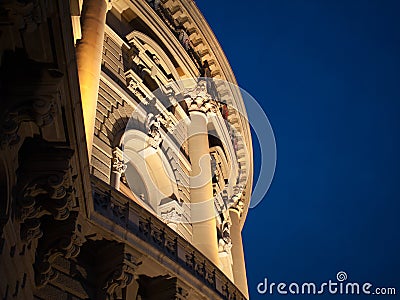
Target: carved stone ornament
[
  {"x": 119, "y": 166},
  {"x": 158, "y": 236},
  {"x": 171, "y": 210},
  {"x": 153, "y": 130},
  {"x": 228, "y": 293},
  {"x": 41, "y": 187},
  {"x": 202, "y": 270},
  {"x": 25, "y": 15},
  {"x": 60, "y": 238},
  {"x": 225, "y": 242},
  {"x": 198, "y": 98},
  {"x": 133, "y": 85},
  {"x": 117, "y": 273},
  {"x": 236, "y": 202},
  {"x": 28, "y": 90},
  {"x": 173, "y": 216}
]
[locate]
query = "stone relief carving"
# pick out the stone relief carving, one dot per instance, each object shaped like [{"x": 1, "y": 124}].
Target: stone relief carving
[
  {"x": 200, "y": 268},
  {"x": 157, "y": 235},
  {"x": 227, "y": 292},
  {"x": 198, "y": 98},
  {"x": 153, "y": 126},
  {"x": 109, "y": 207},
  {"x": 172, "y": 216},
  {"x": 29, "y": 95}
]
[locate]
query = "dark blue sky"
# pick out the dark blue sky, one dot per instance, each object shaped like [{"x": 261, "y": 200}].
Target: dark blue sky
[{"x": 327, "y": 74}]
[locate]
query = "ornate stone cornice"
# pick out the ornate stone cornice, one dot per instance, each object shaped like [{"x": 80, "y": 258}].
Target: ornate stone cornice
[{"x": 236, "y": 201}]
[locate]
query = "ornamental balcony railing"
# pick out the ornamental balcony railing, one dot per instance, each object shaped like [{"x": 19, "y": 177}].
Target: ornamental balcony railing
[{"x": 124, "y": 212}]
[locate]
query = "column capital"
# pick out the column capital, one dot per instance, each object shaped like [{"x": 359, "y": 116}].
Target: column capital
[
  {"x": 198, "y": 98},
  {"x": 119, "y": 166}
]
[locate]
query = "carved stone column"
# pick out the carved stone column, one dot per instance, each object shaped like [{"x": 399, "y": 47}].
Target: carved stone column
[
  {"x": 89, "y": 51},
  {"x": 201, "y": 190},
  {"x": 118, "y": 167},
  {"x": 239, "y": 268}
]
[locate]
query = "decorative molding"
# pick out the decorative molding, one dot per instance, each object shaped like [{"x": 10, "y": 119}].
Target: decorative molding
[
  {"x": 229, "y": 293},
  {"x": 237, "y": 206},
  {"x": 109, "y": 207},
  {"x": 171, "y": 210},
  {"x": 134, "y": 84},
  {"x": 171, "y": 216},
  {"x": 157, "y": 236}
]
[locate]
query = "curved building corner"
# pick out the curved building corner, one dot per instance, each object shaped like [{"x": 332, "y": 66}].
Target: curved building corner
[{"x": 126, "y": 155}]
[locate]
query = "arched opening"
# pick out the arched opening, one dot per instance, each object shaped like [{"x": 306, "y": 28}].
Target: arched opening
[{"x": 148, "y": 177}]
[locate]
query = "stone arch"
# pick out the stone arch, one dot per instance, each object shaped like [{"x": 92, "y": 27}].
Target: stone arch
[
  {"x": 118, "y": 118},
  {"x": 151, "y": 165}
]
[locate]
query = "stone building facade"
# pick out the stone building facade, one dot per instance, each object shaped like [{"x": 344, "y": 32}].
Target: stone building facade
[{"x": 112, "y": 112}]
